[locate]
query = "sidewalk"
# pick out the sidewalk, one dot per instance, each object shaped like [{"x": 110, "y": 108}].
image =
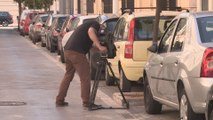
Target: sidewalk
[{"x": 31, "y": 76}]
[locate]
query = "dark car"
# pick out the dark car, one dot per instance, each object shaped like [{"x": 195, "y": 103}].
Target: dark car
[
  {"x": 55, "y": 28},
  {"x": 5, "y": 18},
  {"x": 94, "y": 54}
]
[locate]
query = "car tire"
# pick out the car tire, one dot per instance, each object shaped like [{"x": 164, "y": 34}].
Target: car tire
[
  {"x": 125, "y": 84},
  {"x": 5, "y": 23},
  {"x": 186, "y": 112},
  {"x": 109, "y": 79},
  {"x": 62, "y": 56},
  {"x": 43, "y": 44},
  {"x": 211, "y": 115},
  {"x": 52, "y": 47},
  {"x": 151, "y": 106}
]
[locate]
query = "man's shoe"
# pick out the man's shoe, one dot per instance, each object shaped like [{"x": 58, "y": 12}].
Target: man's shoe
[
  {"x": 62, "y": 104},
  {"x": 92, "y": 106}
]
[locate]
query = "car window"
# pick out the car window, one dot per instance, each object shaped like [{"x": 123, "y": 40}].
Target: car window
[
  {"x": 61, "y": 21},
  {"x": 205, "y": 26},
  {"x": 144, "y": 27},
  {"x": 116, "y": 30},
  {"x": 110, "y": 25},
  {"x": 74, "y": 23},
  {"x": 89, "y": 19},
  {"x": 179, "y": 36},
  {"x": 165, "y": 41},
  {"x": 44, "y": 18},
  {"x": 119, "y": 29}
]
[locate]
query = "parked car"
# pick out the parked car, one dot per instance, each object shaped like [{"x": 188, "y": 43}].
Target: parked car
[
  {"x": 179, "y": 72},
  {"x": 64, "y": 29},
  {"x": 94, "y": 54},
  {"x": 22, "y": 19},
  {"x": 5, "y": 18},
  {"x": 55, "y": 28},
  {"x": 132, "y": 36},
  {"x": 35, "y": 27},
  {"x": 46, "y": 31},
  {"x": 28, "y": 19}
]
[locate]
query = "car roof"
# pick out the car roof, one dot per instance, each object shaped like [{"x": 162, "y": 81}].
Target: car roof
[
  {"x": 152, "y": 13},
  {"x": 88, "y": 16}
]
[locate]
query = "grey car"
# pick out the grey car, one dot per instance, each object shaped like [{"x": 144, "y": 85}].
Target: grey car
[{"x": 179, "y": 70}]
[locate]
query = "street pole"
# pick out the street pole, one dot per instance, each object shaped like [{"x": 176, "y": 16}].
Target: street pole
[
  {"x": 157, "y": 19},
  {"x": 34, "y": 4}
]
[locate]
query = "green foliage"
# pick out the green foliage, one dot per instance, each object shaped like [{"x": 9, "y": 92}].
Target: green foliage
[{"x": 36, "y": 4}]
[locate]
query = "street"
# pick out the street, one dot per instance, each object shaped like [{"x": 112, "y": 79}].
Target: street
[{"x": 30, "y": 76}]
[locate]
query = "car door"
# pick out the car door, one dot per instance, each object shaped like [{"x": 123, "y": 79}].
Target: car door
[
  {"x": 156, "y": 80},
  {"x": 171, "y": 62},
  {"x": 117, "y": 39}
]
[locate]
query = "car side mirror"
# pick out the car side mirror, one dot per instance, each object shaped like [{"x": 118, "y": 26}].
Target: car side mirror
[
  {"x": 153, "y": 48},
  {"x": 58, "y": 30},
  {"x": 67, "y": 30}
]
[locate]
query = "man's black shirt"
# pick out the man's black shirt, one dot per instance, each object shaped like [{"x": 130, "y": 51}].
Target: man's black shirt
[{"x": 80, "y": 41}]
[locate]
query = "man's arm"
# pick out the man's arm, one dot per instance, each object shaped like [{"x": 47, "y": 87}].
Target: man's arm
[{"x": 93, "y": 36}]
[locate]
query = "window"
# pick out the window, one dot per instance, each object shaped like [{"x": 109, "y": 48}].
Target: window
[
  {"x": 179, "y": 36},
  {"x": 119, "y": 29},
  {"x": 205, "y": 26},
  {"x": 90, "y": 6},
  {"x": 168, "y": 4},
  {"x": 128, "y": 4},
  {"x": 107, "y": 6},
  {"x": 164, "y": 44}
]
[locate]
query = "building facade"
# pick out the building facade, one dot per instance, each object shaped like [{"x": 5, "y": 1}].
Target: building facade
[{"x": 114, "y": 6}]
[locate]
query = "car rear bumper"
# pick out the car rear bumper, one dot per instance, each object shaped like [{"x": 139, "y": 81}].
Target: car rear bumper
[
  {"x": 133, "y": 70},
  {"x": 197, "y": 92}
]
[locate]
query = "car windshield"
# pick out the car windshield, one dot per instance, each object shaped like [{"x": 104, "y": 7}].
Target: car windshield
[
  {"x": 144, "y": 27},
  {"x": 61, "y": 21},
  {"x": 205, "y": 26},
  {"x": 44, "y": 18}
]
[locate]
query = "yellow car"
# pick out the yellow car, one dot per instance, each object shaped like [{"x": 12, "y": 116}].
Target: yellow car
[{"x": 132, "y": 36}]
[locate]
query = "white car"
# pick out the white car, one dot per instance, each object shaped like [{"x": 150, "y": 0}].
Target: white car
[{"x": 179, "y": 71}]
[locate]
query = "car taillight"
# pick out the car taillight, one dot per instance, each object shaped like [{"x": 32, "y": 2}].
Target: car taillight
[
  {"x": 38, "y": 26},
  {"x": 55, "y": 33},
  {"x": 207, "y": 63},
  {"x": 22, "y": 22},
  {"x": 128, "y": 52}
]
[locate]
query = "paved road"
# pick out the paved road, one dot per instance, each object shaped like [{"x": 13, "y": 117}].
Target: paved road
[{"x": 30, "y": 74}]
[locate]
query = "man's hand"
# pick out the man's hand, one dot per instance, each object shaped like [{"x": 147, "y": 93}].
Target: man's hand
[{"x": 102, "y": 49}]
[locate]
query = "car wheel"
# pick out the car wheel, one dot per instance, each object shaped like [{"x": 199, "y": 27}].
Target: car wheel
[
  {"x": 125, "y": 84},
  {"x": 151, "y": 106},
  {"x": 109, "y": 79},
  {"x": 43, "y": 44},
  {"x": 34, "y": 40},
  {"x": 52, "y": 47},
  {"x": 211, "y": 115},
  {"x": 186, "y": 112},
  {"x": 4, "y": 23},
  {"x": 62, "y": 57}
]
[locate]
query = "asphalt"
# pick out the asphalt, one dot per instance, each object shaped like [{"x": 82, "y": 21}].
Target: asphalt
[{"x": 29, "y": 81}]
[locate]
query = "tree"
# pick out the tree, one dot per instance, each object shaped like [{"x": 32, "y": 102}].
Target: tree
[{"x": 19, "y": 10}]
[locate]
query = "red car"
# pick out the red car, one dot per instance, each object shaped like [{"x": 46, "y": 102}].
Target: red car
[{"x": 28, "y": 19}]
